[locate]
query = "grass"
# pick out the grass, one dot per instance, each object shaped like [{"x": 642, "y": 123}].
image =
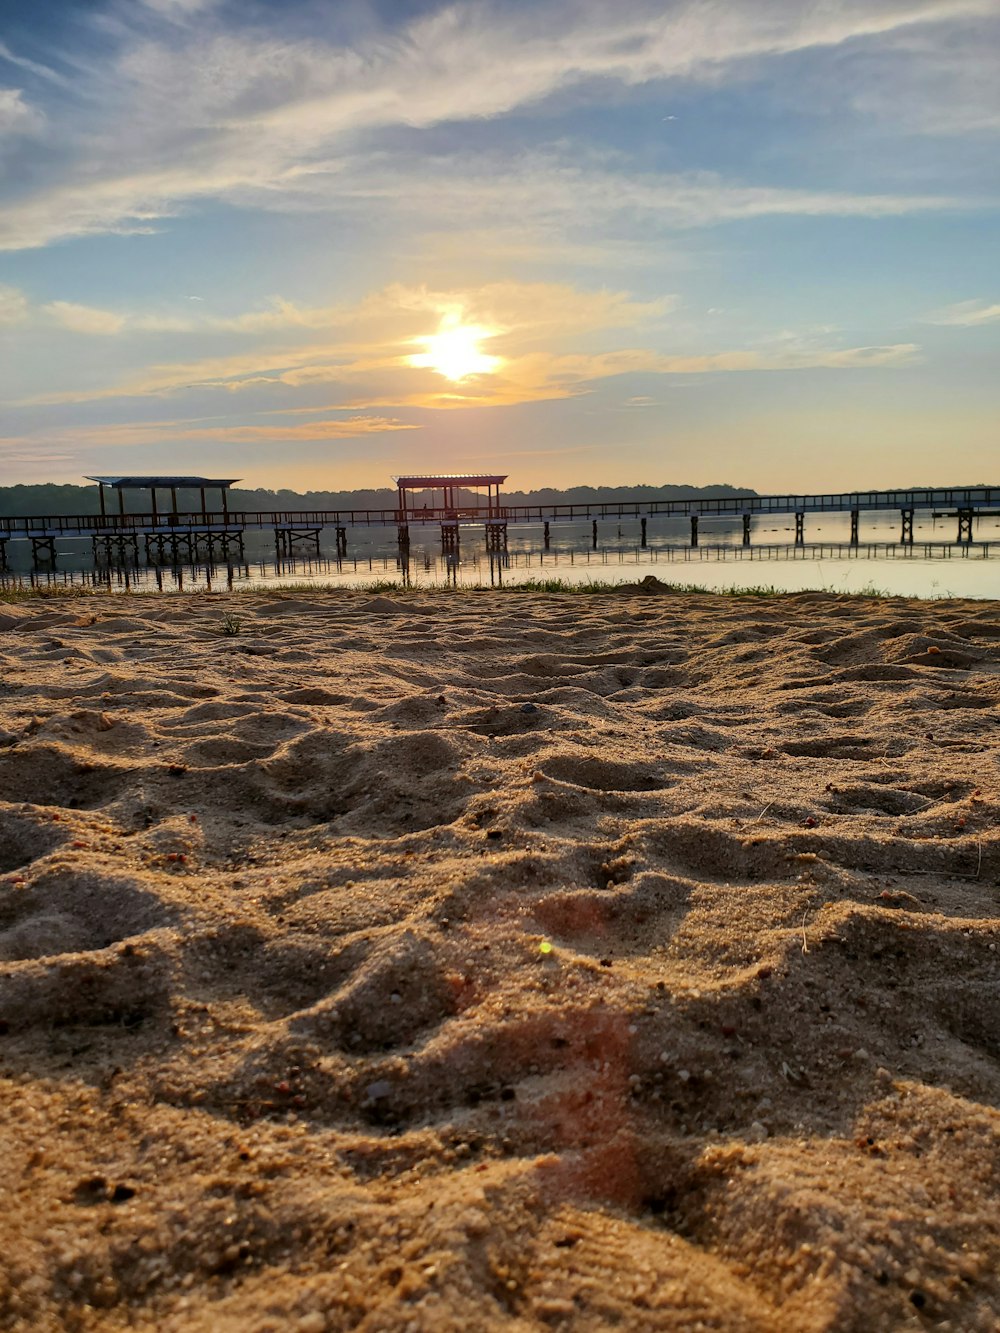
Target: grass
[
  {"x": 396, "y": 588},
  {"x": 18, "y": 592},
  {"x": 231, "y": 622}
]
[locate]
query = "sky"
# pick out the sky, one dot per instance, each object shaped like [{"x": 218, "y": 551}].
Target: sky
[{"x": 315, "y": 244}]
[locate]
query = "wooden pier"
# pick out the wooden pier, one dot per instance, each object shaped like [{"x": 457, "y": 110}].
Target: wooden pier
[{"x": 166, "y": 534}]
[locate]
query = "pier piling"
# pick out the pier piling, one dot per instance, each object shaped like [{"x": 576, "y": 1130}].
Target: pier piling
[
  {"x": 43, "y": 545},
  {"x": 496, "y": 538}
]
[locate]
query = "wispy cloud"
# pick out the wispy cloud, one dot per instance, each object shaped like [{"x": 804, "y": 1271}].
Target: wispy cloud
[
  {"x": 84, "y": 319},
  {"x": 933, "y": 86},
  {"x": 13, "y": 306},
  {"x": 560, "y": 187},
  {"x": 194, "y": 111},
  {"x": 549, "y": 341},
  {"x": 7, "y": 56},
  {"x": 966, "y": 314},
  {"x": 536, "y": 192},
  {"x": 135, "y": 434},
  {"x": 16, "y": 116}
]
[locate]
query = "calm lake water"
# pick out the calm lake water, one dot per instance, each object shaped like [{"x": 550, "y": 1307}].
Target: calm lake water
[{"x": 935, "y": 566}]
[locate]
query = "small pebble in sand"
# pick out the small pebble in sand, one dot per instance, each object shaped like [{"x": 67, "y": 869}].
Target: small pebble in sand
[
  {"x": 529, "y": 708},
  {"x": 314, "y": 1322}
]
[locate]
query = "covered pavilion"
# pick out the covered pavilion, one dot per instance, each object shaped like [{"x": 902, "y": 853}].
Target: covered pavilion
[
  {"x": 167, "y": 483},
  {"x": 448, "y": 486}
]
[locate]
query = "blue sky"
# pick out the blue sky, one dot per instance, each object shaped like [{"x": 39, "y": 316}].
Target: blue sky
[{"x": 742, "y": 240}]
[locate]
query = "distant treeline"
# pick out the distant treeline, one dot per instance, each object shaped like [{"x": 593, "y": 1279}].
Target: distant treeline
[{"x": 53, "y": 499}]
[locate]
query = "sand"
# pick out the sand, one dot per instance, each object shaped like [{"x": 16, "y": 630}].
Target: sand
[{"x": 498, "y": 960}]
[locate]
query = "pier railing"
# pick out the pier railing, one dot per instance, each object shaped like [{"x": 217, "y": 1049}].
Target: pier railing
[{"x": 965, "y": 499}]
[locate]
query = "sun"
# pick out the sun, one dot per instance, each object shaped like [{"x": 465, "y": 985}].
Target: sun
[{"x": 454, "y": 351}]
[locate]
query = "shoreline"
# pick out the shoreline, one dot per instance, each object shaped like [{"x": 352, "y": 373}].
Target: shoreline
[{"x": 648, "y": 586}]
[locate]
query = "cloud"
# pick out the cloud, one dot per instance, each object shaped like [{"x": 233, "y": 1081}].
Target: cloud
[
  {"x": 84, "y": 319},
  {"x": 539, "y": 333},
  {"x": 933, "y": 86},
  {"x": 545, "y": 376},
  {"x": 16, "y": 116},
  {"x": 194, "y": 112},
  {"x": 540, "y": 192},
  {"x": 350, "y": 428},
  {"x": 555, "y": 195},
  {"x": 966, "y": 314},
  {"x": 13, "y": 306},
  {"x": 22, "y": 62},
  {"x": 179, "y": 8},
  {"x": 140, "y": 433},
  {"x": 372, "y": 335}
]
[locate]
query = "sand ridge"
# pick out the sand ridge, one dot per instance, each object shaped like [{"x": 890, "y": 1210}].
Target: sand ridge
[{"x": 503, "y": 960}]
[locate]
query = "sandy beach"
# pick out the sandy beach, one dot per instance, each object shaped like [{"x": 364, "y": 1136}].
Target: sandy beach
[{"x": 499, "y": 960}]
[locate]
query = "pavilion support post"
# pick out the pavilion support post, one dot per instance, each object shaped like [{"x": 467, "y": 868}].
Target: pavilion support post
[
  {"x": 642, "y": 532},
  {"x": 173, "y": 503},
  {"x": 694, "y": 529},
  {"x": 121, "y": 501},
  {"x": 800, "y": 537},
  {"x": 204, "y": 507},
  {"x": 594, "y": 534},
  {"x": 855, "y": 518},
  {"x": 545, "y": 534},
  {"x": 906, "y": 527},
  {"x": 225, "y": 505},
  {"x": 152, "y": 500},
  {"x": 746, "y": 529},
  {"x": 100, "y": 492}
]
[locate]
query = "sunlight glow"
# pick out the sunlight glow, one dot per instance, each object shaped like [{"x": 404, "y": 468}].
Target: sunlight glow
[{"x": 454, "y": 350}]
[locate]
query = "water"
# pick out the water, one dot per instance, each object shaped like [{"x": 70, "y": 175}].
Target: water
[{"x": 935, "y": 566}]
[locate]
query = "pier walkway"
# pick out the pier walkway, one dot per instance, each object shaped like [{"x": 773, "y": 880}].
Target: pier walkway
[{"x": 167, "y": 534}]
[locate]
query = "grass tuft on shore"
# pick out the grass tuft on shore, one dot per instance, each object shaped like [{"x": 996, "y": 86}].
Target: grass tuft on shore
[{"x": 19, "y": 592}]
